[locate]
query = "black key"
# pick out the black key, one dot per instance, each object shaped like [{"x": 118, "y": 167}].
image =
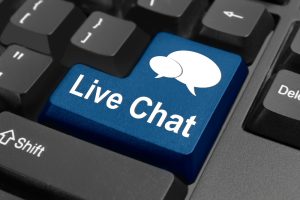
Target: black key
[
  {"x": 43, "y": 25},
  {"x": 239, "y": 26},
  {"x": 25, "y": 77},
  {"x": 173, "y": 15},
  {"x": 277, "y": 115},
  {"x": 107, "y": 43},
  {"x": 7, "y": 196},
  {"x": 70, "y": 168}
]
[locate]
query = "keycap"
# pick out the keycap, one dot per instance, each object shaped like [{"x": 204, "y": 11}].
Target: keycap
[
  {"x": 238, "y": 26},
  {"x": 277, "y": 116},
  {"x": 291, "y": 56},
  {"x": 69, "y": 168},
  {"x": 174, "y": 15},
  {"x": 170, "y": 121},
  {"x": 6, "y": 196},
  {"x": 108, "y": 43},
  {"x": 43, "y": 25},
  {"x": 25, "y": 76}
]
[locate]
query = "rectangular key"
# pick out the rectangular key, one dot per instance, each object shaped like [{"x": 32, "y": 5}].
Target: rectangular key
[
  {"x": 43, "y": 25},
  {"x": 238, "y": 26},
  {"x": 168, "y": 111},
  {"x": 73, "y": 169},
  {"x": 277, "y": 115}
]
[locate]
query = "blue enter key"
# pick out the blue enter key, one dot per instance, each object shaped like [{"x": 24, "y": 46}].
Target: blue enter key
[{"x": 167, "y": 112}]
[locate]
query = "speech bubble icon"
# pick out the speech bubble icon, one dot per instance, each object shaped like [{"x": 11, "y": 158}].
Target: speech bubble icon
[
  {"x": 165, "y": 67},
  {"x": 197, "y": 70}
]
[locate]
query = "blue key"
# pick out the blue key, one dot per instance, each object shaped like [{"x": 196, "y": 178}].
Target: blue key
[{"x": 167, "y": 112}]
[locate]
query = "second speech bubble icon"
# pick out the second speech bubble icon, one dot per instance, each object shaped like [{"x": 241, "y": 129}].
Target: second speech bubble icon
[{"x": 190, "y": 68}]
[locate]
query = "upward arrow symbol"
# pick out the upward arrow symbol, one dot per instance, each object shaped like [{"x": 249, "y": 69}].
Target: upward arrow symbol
[{"x": 7, "y": 136}]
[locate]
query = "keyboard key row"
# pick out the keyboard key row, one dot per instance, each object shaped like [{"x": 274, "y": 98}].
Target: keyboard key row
[
  {"x": 72, "y": 169},
  {"x": 104, "y": 40}
]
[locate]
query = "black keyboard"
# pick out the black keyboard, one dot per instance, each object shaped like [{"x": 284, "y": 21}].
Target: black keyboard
[{"x": 149, "y": 99}]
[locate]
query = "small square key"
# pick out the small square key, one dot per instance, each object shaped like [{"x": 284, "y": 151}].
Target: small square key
[
  {"x": 108, "y": 43},
  {"x": 238, "y": 26}
]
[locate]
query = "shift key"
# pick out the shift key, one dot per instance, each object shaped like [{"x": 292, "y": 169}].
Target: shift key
[
  {"x": 67, "y": 168},
  {"x": 278, "y": 115}
]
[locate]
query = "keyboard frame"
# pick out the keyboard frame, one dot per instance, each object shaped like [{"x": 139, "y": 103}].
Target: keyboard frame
[{"x": 250, "y": 165}]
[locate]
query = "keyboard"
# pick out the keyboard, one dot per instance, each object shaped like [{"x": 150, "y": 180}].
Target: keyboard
[{"x": 149, "y": 99}]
